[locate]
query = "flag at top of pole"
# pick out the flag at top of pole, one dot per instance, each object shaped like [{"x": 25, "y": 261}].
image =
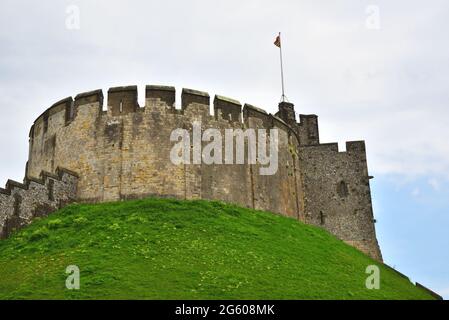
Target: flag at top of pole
[{"x": 277, "y": 43}]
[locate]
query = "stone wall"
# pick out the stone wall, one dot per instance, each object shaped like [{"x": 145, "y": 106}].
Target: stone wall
[
  {"x": 124, "y": 153},
  {"x": 21, "y": 202},
  {"x": 337, "y": 193}
]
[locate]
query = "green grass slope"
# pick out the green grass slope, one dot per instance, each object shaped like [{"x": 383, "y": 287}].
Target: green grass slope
[{"x": 168, "y": 249}]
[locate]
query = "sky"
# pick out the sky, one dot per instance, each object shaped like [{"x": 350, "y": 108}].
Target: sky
[{"x": 373, "y": 70}]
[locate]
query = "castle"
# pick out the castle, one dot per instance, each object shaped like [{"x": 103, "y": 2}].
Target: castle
[{"x": 80, "y": 152}]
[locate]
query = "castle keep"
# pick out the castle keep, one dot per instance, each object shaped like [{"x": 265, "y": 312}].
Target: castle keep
[{"x": 79, "y": 152}]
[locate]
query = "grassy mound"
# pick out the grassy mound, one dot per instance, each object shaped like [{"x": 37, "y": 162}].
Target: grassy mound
[{"x": 169, "y": 249}]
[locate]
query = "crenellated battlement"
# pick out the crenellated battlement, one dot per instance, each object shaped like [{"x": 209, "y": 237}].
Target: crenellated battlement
[
  {"x": 44, "y": 177},
  {"x": 127, "y": 97},
  {"x": 165, "y": 94},
  {"x": 124, "y": 153},
  {"x": 356, "y": 148},
  {"x": 20, "y": 203},
  {"x": 227, "y": 108},
  {"x": 91, "y": 97},
  {"x": 122, "y": 101}
]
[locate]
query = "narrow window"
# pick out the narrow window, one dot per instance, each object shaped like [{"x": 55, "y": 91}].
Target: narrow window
[
  {"x": 322, "y": 218},
  {"x": 45, "y": 122},
  {"x": 69, "y": 112},
  {"x": 342, "y": 189},
  {"x": 17, "y": 202},
  {"x": 121, "y": 106},
  {"x": 50, "y": 188},
  {"x": 72, "y": 110}
]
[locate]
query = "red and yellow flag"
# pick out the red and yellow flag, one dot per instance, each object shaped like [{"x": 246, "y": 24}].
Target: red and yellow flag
[{"x": 277, "y": 43}]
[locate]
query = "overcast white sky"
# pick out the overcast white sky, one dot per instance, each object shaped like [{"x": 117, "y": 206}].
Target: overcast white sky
[{"x": 389, "y": 86}]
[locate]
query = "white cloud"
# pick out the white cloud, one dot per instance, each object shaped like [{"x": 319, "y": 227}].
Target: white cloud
[{"x": 388, "y": 86}]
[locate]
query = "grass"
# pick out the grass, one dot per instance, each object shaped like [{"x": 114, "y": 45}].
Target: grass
[{"x": 169, "y": 249}]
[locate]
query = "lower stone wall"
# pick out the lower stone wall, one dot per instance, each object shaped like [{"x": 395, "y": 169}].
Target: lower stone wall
[
  {"x": 20, "y": 203},
  {"x": 337, "y": 193}
]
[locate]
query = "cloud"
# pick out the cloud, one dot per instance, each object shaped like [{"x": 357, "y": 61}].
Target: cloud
[{"x": 388, "y": 86}]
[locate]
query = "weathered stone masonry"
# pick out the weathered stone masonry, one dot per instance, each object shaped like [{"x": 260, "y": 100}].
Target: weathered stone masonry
[
  {"x": 21, "y": 202},
  {"x": 123, "y": 153}
]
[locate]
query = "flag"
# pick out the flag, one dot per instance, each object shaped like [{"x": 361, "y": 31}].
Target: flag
[{"x": 277, "y": 43}]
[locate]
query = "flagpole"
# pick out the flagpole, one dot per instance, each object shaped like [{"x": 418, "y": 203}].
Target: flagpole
[{"x": 282, "y": 69}]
